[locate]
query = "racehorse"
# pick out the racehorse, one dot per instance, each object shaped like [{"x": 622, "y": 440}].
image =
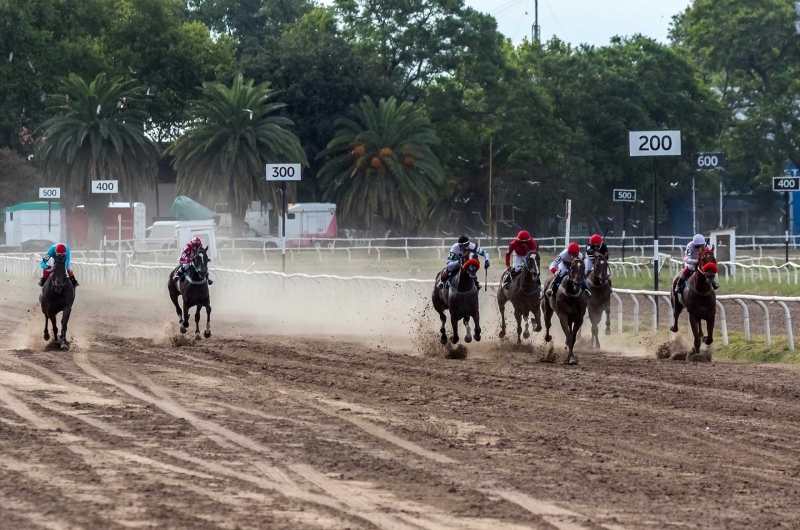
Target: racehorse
[
  {"x": 569, "y": 304},
  {"x": 460, "y": 298},
  {"x": 193, "y": 289},
  {"x": 700, "y": 300},
  {"x": 600, "y": 302},
  {"x": 57, "y": 296},
  {"x": 524, "y": 293}
]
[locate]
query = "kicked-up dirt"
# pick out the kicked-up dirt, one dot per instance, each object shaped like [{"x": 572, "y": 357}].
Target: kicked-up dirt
[{"x": 138, "y": 427}]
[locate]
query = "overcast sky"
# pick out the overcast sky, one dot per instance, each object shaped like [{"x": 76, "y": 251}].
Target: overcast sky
[{"x": 582, "y": 21}]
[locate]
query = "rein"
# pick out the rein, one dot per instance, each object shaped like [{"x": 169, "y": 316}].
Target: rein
[{"x": 527, "y": 268}]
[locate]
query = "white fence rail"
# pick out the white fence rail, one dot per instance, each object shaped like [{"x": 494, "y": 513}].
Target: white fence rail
[{"x": 154, "y": 277}]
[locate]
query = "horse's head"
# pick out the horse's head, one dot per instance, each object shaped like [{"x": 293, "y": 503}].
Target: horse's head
[
  {"x": 533, "y": 264},
  {"x": 471, "y": 264},
  {"x": 577, "y": 271},
  {"x": 58, "y": 278},
  {"x": 707, "y": 263},
  {"x": 200, "y": 263},
  {"x": 600, "y": 269}
]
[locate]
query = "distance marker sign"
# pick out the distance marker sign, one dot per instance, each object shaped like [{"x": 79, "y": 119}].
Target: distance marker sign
[
  {"x": 50, "y": 193},
  {"x": 283, "y": 172},
  {"x": 786, "y": 184},
  {"x": 624, "y": 195},
  {"x": 709, "y": 161},
  {"x": 105, "y": 186},
  {"x": 655, "y": 143}
]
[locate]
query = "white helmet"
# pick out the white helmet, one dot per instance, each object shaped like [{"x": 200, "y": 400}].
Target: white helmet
[{"x": 699, "y": 240}]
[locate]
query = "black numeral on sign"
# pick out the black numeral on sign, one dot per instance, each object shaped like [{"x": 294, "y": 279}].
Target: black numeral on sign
[
  {"x": 655, "y": 143},
  {"x": 283, "y": 172}
]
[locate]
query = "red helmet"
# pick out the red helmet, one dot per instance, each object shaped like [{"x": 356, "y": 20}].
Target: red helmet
[
  {"x": 595, "y": 240},
  {"x": 196, "y": 242},
  {"x": 61, "y": 248},
  {"x": 524, "y": 235},
  {"x": 574, "y": 249}
]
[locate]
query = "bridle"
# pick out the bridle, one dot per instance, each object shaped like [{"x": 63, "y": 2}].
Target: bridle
[
  {"x": 535, "y": 272},
  {"x": 576, "y": 265},
  {"x": 55, "y": 279},
  {"x": 201, "y": 254},
  {"x": 599, "y": 261}
]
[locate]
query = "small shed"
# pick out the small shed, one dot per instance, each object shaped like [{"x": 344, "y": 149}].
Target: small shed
[
  {"x": 724, "y": 241},
  {"x": 34, "y": 221}
]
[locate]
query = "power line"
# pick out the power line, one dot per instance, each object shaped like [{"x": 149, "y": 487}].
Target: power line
[
  {"x": 525, "y": 11},
  {"x": 557, "y": 21}
]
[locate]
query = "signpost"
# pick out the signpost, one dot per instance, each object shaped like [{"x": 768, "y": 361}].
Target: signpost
[
  {"x": 49, "y": 194},
  {"x": 283, "y": 173},
  {"x": 624, "y": 196},
  {"x": 786, "y": 184},
  {"x": 105, "y": 186},
  {"x": 655, "y": 144},
  {"x": 707, "y": 162}
]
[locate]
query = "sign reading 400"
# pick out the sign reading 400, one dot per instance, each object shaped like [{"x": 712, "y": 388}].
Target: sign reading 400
[
  {"x": 105, "y": 186},
  {"x": 283, "y": 172}
]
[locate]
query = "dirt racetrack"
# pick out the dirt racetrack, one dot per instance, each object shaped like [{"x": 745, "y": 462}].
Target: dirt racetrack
[{"x": 138, "y": 427}]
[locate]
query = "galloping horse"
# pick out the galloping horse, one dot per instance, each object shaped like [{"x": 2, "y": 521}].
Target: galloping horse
[
  {"x": 57, "y": 296},
  {"x": 700, "y": 301},
  {"x": 600, "y": 302},
  {"x": 460, "y": 298},
  {"x": 569, "y": 304},
  {"x": 193, "y": 289},
  {"x": 524, "y": 295}
]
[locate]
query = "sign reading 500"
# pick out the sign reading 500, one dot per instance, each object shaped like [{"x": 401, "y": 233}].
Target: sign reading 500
[{"x": 283, "y": 172}]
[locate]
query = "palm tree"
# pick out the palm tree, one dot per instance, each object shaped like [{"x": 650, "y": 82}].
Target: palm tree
[
  {"x": 97, "y": 133},
  {"x": 382, "y": 164},
  {"x": 234, "y": 133}
]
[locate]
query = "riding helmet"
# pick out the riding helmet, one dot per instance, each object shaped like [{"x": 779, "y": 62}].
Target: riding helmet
[
  {"x": 574, "y": 249},
  {"x": 595, "y": 240},
  {"x": 61, "y": 248},
  {"x": 524, "y": 235},
  {"x": 463, "y": 240},
  {"x": 698, "y": 240},
  {"x": 196, "y": 242}
]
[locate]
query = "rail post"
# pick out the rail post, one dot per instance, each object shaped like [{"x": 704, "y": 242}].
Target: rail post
[
  {"x": 635, "y": 314},
  {"x": 619, "y": 311},
  {"x": 723, "y": 323},
  {"x": 746, "y": 312},
  {"x": 788, "y": 316},
  {"x": 767, "y": 334}
]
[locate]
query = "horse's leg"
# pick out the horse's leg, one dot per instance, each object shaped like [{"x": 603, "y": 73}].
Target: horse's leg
[
  {"x": 55, "y": 326},
  {"x": 607, "y": 309},
  {"x": 518, "y": 317},
  {"x": 468, "y": 336},
  {"x": 594, "y": 318},
  {"x": 548, "y": 320},
  {"x": 697, "y": 331},
  {"x": 526, "y": 317},
  {"x": 537, "y": 316},
  {"x": 454, "y": 323},
  {"x": 46, "y": 333},
  {"x": 565, "y": 327},
  {"x": 477, "y": 318},
  {"x": 501, "y": 304},
  {"x": 207, "y": 333},
  {"x": 676, "y": 312},
  {"x": 177, "y": 307},
  {"x": 442, "y": 330},
  {"x": 709, "y": 339},
  {"x": 576, "y": 327},
  {"x": 185, "y": 321},
  {"x": 64, "y": 322},
  {"x": 197, "y": 322}
]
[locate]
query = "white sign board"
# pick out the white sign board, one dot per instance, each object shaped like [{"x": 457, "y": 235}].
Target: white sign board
[
  {"x": 50, "y": 193},
  {"x": 283, "y": 172},
  {"x": 105, "y": 186},
  {"x": 655, "y": 143}
]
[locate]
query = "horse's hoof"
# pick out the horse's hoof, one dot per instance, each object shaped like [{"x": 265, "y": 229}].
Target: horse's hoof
[
  {"x": 478, "y": 337},
  {"x": 502, "y": 334},
  {"x": 526, "y": 335},
  {"x": 65, "y": 346},
  {"x": 673, "y": 329},
  {"x": 207, "y": 334},
  {"x": 608, "y": 331},
  {"x": 467, "y": 339},
  {"x": 46, "y": 336},
  {"x": 197, "y": 336},
  {"x": 707, "y": 340},
  {"x": 183, "y": 329},
  {"x": 537, "y": 329},
  {"x": 454, "y": 340},
  {"x": 572, "y": 360},
  {"x": 548, "y": 338},
  {"x": 444, "y": 339}
]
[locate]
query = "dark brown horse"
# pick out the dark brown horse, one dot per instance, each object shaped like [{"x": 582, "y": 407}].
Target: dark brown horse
[
  {"x": 57, "y": 296},
  {"x": 524, "y": 293},
  {"x": 193, "y": 289},
  {"x": 600, "y": 302},
  {"x": 569, "y": 305},
  {"x": 460, "y": 298},
  {"x": 700, "y": 301}
]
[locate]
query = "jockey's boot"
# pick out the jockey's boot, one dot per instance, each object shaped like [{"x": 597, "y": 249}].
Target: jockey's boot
[
  {"x": 553, "y": 286},
  {"x": 507, "y": 279},
  {"x": 585, "y": 289},
  {"x": 715, "y": 285},
  {"x": 74, "y": 281},
  {"x": 679, "y": 286},
  {"x": 477, "y": 284},
  {"x": 210, "y": 281},
  {"x": 442, "y": 279},
  {"x": 41, "y": 282}
]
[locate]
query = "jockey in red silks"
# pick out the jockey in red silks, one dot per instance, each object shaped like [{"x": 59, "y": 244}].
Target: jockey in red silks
[
  {"x": 690, "y": 259},
  {"x": 560, "y": 267},
  {"x": 59, "y": 249},
  {"x": 596, "y": 247},
  {"x": 188, "y": 254},
  {"x": 517, "y": 251}
]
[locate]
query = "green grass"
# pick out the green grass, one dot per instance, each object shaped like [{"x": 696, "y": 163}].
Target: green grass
[
  {"x": 759, "y": 287},
  {"x": 756, "y": 350}
]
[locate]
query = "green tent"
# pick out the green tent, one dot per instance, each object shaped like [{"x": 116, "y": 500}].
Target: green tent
[{"x": 185, "y": 209}]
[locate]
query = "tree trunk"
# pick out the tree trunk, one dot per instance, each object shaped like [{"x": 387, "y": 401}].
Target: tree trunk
[{"x": 96, "y": 206}]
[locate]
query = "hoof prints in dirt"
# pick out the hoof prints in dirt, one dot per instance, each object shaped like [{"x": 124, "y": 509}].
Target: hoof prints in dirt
[
  {"x": 181, "y": 340},
  {"x": 457, "y": 352}
]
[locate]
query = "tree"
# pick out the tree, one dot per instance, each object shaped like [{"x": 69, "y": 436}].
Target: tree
[
  {"x": 234, "y": 133},
  {"x": 381, "y": 163},
  {"x": 19, "y": 179},
  {"x": 97, "y": 134}
]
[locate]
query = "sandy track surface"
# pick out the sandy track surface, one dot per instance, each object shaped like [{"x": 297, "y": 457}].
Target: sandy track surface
[{"x": 136, "y": 427}]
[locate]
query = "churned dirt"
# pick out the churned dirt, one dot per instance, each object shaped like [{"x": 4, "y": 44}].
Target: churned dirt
[{"x": 259, "y": 427}]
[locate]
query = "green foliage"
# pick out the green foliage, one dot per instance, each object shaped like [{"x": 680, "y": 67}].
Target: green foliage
[
  {"x": 19, "y": 179},
  {"x": 234, "y": 133},
  {"x": 97, "y": 133},
  {"x": 381, "y": 163}
]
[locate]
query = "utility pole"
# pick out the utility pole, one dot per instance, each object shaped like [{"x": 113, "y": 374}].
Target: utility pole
[
  {"x": 489, "y": 215},
  {"x": 537, "y": 31}
]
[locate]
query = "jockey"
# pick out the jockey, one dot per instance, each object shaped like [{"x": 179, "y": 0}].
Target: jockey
[
  {"x": 596, "y": 247},
  {"x": 560, "y": 267},
  {"x": 62, "y": 250},
  {"x": 456, "y": 253},
  {"x": 187, "y": 256},
  {"x": 697, "y": 244},
  {"x": 518, "y": 249}
]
